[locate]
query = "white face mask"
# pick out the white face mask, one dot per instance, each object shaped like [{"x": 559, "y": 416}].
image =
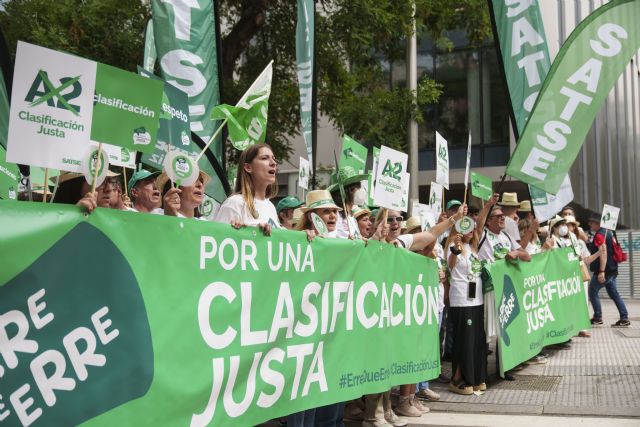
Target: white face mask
[
  {"x": 563, "y": 230},
  {"x": 360, "y": 197}
]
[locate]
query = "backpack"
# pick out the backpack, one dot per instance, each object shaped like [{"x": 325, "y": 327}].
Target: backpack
[{"x": 618, "y": 254}]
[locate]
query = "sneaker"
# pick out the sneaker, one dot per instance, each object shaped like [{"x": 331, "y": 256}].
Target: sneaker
[
  {"x": 428, "y": 394},
  {"x": 622, "y": 323},
  {"x": 537, "y": 360},
  {"x": 480, "y": 387},
  {"x": 584, "y": 334},
  {"x": 406, "y": 409},
  {"x": 376, "y": 423},
  {"x": 394, "y": 420},
  {"x": 461, "y": 388},
  {"x": 596, "y": 321},
  {"x": 420, "y": 406}
]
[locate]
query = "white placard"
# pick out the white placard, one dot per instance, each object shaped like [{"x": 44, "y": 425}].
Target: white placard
[
  {"x": 428, "y": 217},
  {"x": 546, "y": 206},
  {"x": 51, "y": 108},
  {"x": 435, "y": 197},
  {"x": 609, "y": 217},
  {"x": 391, "y": 168},
  {"x": 442, "y": 161},
  {"x": 466, "y": 170},
  {"x": 119, "y": 156},
  {"x": 403, "y": 206},
  {"x": 303, "y": 174}
]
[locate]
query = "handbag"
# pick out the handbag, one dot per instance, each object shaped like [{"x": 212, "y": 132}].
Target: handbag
[{"x": 586, "y": 275}]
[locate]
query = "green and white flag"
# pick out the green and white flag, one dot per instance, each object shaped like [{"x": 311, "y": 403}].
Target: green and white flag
[
  {"x": 525, "y": 55},
  {"x": 247, "y": 121},
  {"x": 9, "y": 177},
  {"x": 546, "y": 205},
  {"x": 442, "y": 161},
  {"x": 62, "y": 102},
  {"x": 304, "y": 64},
  {"x": 193, "y": 323},
  {"x": 371, "y": 187},
  {"x": 150, "y": 53},
  {"x": 481, "y": 186},
  {"x": 583, "y": 73},
  {"x": 537, "y": 303},
  {"x": 610, "y": 216},
  {"x": 353, "y": 154}
]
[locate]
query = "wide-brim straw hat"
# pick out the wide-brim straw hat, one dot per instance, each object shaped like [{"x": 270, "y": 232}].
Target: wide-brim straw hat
[
  {"x": 297, "y": 217},
  {"x": 525, "y": 206},
  {"x": 570, "y": 219},
  {"x": 162, "y": 180},
  {"x": 555, "y": 221},
  {"x": 317, "y": 199},
  {"x": 358, "y": 211},
  {"x": 413, "y": 223},
  {"x": 509, "y": 199},
  {"x": 68, "y": 176}
]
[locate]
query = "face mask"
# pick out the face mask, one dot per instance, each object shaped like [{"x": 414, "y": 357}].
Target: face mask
[
  {"x": 563, "y": 230},
  {"x": 360, "y": 197}
]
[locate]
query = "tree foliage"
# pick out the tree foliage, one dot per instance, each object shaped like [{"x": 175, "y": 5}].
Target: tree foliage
[{"x": 355, "y": 40}]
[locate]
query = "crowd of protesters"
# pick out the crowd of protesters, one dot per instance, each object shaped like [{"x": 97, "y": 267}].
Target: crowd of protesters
[{"x": 503, "y": 228}]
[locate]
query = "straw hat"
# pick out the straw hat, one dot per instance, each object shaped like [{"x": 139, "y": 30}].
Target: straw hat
[
  {"x": 570, "y": 219},
  {"x": 509, "y": 199},
  {"x": 525, "y": 206},
  {"x": 317, "y": 199},
  {"x": 163, "y": 179},
  {"x": 357, "y": 211},
  {"x": 413, "y": 223},
  {"x": 555, "y": 221},
  {"x": 297, "y": 217}
]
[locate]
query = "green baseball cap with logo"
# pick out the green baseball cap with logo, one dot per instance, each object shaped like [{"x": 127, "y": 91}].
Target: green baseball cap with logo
[
  {"x": 453, "y": 203},
  {"x": 141, "y": 175},
  {"x": 289, "y": 202}
]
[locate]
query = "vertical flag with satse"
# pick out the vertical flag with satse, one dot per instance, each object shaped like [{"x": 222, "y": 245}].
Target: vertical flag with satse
[
  {"x": 353, "y": 154},
  {"x": 304, "y": 63},
  {"x": 522, "y": 46},
  {"x": 481, "y": 186},
  {"x": 247, "y": 120},
  {"x": 610, "y": 216},
  {"x": 303, "y": 174},
  {"x": 442, "y": 161},
  {"x": 435, "y": 197},
  {"x": 581, "y": 77},
  {"x": 391, "y": 169}
]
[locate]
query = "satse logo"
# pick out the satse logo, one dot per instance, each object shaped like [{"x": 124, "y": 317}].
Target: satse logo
[{"x": 43, "y": 90}]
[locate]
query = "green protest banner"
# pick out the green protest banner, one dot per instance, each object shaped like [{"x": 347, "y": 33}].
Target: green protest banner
[
  {"x": 174, "y": 131},
  {"x": 9, "y": 177},
  {"x": 538, "y": 303},
  {"x": 141, "y": 319},
  {"x": 304, "y": 66},
  {"x": 581, "y": 77},
  {"x": 247, "y": 120},
  {"x": 481, "y": 186},
  {"x": 353, "y": 154}
]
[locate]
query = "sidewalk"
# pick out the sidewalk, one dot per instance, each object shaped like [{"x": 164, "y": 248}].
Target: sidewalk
[{"x": 597, "y": 377}]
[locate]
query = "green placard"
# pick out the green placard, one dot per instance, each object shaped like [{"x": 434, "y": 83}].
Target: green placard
[
  {"x": 177, "y": 311},
  {"x": 9, "y": 177},
  {"x": 127, "y": 109},
  {"x": 481, "y": 186},
  {"x": 353, "y": 154},
  {"x": 538, "y": 303}
]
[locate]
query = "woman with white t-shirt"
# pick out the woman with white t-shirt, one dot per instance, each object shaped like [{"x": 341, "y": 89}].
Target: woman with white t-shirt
[
  {"x": 466, "y": 309},
  {"x": 255, "y": 185},
  {"x": 182, "y": 201}
]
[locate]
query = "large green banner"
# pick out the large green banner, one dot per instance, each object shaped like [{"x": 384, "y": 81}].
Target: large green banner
[
  {"x": 583, "y": 73},
  {"x": 123, "y": 318},
  {"x": 538, "y": 303}
]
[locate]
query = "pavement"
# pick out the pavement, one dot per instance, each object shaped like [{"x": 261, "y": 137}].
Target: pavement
[{"x": 596, "y": 382}]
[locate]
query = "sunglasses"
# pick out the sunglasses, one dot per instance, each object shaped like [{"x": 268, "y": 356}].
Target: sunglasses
[{"x": 394, "y": 218}]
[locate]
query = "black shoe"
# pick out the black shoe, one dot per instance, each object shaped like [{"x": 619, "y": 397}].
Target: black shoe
[
  {"x": 595, "y": 321},
  {"x": 622, "y": 323},
  {"x": 561, "y": 346},
  {"x": 509, "y": 377}
]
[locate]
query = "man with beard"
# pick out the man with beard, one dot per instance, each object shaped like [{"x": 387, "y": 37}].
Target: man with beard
[{"x": 144, "y": 193}]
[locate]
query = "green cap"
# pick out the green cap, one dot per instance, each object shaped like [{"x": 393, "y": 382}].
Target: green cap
[
  {"x": 141, "y": 175},
  {"x": 453, "y": 203},
  {"x": 289, "y": 202}
]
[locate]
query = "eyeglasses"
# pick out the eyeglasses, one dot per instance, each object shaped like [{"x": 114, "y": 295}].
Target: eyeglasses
[
  {"x": 394, "y": 218},
  {"x": 497, "y": 216}
]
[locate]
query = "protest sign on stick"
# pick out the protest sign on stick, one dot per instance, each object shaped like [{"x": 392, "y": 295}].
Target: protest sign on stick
[{"x": 391, "y": 168}]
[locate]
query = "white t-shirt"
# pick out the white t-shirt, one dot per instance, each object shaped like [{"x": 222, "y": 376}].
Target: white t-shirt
[
  {"x": 511, "y": 227},
  {"x": 533, "y": 248},
  {"x": 342, "y": 227},
  {"x": 466, "y": 270},
  {"x": 407, "y": 241},
  {"x": 495, "y": 246},
  {"x": 234, "y": 208},
  {"x": 201, "y": 218},
  {"x": 156, "y": 211}
]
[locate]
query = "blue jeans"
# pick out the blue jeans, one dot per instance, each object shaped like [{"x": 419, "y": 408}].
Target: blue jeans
[
  {"x": 302, "y": 419},
  {"x": 612, "y": 291},
  {"x": 330, "y": 415}
]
